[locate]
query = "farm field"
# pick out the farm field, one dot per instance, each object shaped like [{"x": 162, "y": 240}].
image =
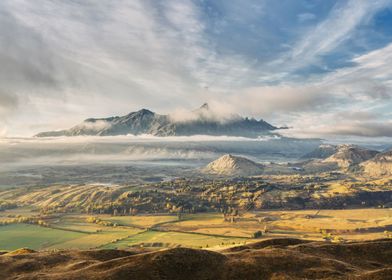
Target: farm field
[
  {"x": 173, "y": 239},
  {"x": 352, "y": 224},
  {"x": 203, "y": 230},
  {"x": 144, "y": 221},
  {"x": 97, "y": 240},
  {"x": 34, "y": 237}
]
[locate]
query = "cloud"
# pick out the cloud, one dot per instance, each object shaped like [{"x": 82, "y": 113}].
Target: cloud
[
  {"x": 344, "y": 128},
  {"x": 93, "y": 125},
  {"x": 367, "y": 129},
  {"x": 282, "y": 99},
  {"x": 89, "y": 56},
  {"x": 65, "y": 61},
  {"x": 8, "y": 103},
  {"x": 3, "y": 131},
  {"x": 338, "y": 100},
  {"x": 338, "y": 27},
  {"x": 214, "y": 111},
  {"x": 124, "y": 149},
  {"x": 306, "y": 17},
  {"x": 341, "y": 123},
  {"x": 24, "y": 64}
]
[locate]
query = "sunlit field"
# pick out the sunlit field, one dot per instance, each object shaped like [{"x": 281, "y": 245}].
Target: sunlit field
[{"x": 208, "y": 231}]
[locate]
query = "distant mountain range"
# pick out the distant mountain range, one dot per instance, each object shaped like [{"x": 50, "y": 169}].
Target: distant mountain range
[{"x": 203, "y": 121}]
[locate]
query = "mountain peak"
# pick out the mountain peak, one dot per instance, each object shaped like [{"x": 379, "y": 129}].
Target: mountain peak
[
  {"x": 146, "y": 111},
  {"x": 205, "y": 106},
  {"x": 203, "y": 109},
  {"x": 203, "y": 121}
]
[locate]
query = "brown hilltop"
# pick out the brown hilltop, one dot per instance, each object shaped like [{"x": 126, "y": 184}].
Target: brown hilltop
[
  {"x": 348, "y": 155},
  {"x": 231, "y": 165},
  {"x": 380, "y": 165},
  {"x": 268, "y": 259}
]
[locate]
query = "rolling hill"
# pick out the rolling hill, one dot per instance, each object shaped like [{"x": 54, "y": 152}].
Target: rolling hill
[
  {"x": 349, "y": 155},
  {"x": 380, "y": 165},
  {"x": 268, "y": 259},
  {"x": 230, "y": 165}
]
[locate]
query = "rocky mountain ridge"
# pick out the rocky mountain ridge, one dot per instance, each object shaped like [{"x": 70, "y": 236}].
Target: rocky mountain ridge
[{"x": 202, "y": 121}]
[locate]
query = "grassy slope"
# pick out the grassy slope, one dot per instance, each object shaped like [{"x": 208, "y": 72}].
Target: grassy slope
[{"x": 268, "y": 259}]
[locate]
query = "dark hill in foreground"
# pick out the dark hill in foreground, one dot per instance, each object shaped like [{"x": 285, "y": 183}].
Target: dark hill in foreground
[{"x": 268, "y": 259}]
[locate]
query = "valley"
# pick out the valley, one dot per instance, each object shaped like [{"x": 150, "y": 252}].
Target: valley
[
  {"x": 213, "y": 203},
  {"x": 203, "y": 213}
]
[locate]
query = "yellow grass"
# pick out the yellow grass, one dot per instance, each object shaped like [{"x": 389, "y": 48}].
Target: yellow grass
[
  {"x": 352, "y": 223},
  {"x": 145, "y": 221}
]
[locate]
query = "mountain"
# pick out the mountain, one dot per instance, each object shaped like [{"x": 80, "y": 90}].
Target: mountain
[
  {"x": 283, "y": 258},
  {"x": 230, "y": 165},
  {"x": 348, "y": 155},
  {"x": 380, "y": 165},
  {"x": 202, "y": 121},
  {"x": 321, "y": 152}
]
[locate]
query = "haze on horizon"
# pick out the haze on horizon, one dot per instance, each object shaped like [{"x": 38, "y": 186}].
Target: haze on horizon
[{"x": 321, "y": 67}]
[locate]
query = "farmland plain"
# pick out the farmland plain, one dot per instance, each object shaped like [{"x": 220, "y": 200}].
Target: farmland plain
[{"x": 202, "y": 230}]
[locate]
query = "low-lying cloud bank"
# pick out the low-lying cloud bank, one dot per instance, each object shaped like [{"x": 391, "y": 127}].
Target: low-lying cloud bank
[
  {"x": 354, "y": 129},
  {"x": 127, "y": 149},
  {"x": 144, "y": 138}
]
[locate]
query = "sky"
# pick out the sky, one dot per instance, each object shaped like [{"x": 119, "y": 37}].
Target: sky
[{"x": 322, "y": 67}]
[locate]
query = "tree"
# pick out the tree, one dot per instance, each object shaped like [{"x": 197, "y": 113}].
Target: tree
[{"x": 257, "y": 234}]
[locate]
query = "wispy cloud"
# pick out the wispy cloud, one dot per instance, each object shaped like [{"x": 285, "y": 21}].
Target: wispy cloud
[
  {"x": 338, "y": 27},
  {"x": 306, "y": 17},
  {"x": 353, "y": 100},
  {"x": 139, "y": 52}
]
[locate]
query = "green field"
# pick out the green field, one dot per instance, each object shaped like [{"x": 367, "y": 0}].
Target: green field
[
  {"x": 171, "y": 239},
  {"x": 97, "y": 240},
  {"x": 35, "y": 237}
]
